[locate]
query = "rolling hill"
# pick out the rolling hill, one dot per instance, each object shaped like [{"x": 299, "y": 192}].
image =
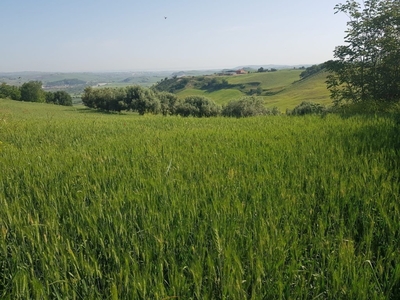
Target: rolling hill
[{"x": 282, "y": 88}]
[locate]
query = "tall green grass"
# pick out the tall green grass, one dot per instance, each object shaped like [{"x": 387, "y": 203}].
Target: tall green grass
[{"x": 120, "y": 206}]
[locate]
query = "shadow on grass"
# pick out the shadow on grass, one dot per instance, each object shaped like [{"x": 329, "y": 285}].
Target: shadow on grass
[
  {"x": 368, "y": 109},
  {"x": 86, "y": 110}
]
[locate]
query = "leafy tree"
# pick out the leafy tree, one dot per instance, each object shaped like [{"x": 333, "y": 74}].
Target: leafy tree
[
  {"x": 198, "y": 106},
  {"x": 142, "y": 100},
  {"x": 111, "y": 99},
  {"x": 261, "y": 70},
  {"x": 168, "y": 103},
  {"x": 89, "y": 97},
  {"x": 62, "y": 98},
  {"x": 247, "y": 107},
  {"x": 108, "y": 99},
  {"x": 32, "y": 91},
  {"x": 368, "y": 66},
  {"x": 49, "y": 96},
  {"x": 10, "y": 91},
  {"x": 59, "y": 97}
]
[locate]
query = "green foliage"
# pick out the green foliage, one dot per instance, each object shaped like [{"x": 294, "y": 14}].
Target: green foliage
[
  {"x": 49, "y": 96},
  {"x": 101, "y": 206},
  {"x": 59, "y": 97},
  {"x": 312, "y": 88},
  {"x": 247, "y": 107},
  {"x": 89, "y": 97},
  {"x": 168, "y": 102},
  {"x": 63, "y": 98},
  {"x": 171, "y": 85},
  {"x": 307, "y": 108},
  {"x": 63, "y": 82},
  {"x": 368, "y": 107},
  {"x": 10, "y": 91},
  {"x": 32, "y": 92},
  {"x": 198, "y": 106},
  {"x": 211, "y": 83},
  {"x": 280, "y": 89},
  {"x": 368, "y": 66},
  {"x": 314, "y": 69},
  {"x": 108, "y": 99},
  {"x": 142, "y": 100}
]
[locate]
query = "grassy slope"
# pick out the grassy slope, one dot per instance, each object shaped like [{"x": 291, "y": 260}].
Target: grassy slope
[
  {"x": 284, "y": 85},
  {"x": 273, "y": 81},
  {"x": 104, "y": 205},
  {"x": 220, "y": 96},
  {"x": 310, "y": 89}
]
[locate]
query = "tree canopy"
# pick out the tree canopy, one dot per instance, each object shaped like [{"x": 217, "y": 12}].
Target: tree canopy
[
  {"x": 367, "y": 67},
  {"x": 10, "y": 91},
  {"x": 59, "y": 97},
  {"x": 32, "y": 91}
]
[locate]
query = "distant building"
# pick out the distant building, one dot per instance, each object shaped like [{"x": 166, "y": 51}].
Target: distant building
[{"x": 241, "y": 71}]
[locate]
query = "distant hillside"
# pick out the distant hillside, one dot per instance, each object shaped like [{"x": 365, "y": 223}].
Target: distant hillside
[
  {"x": 65, "y": 82},
  {"x": 312, "y": 88},
  {"x": 74, "y": 83},
  {"x": 283, "y": 88},
  {"x": 271, "y": 66}
]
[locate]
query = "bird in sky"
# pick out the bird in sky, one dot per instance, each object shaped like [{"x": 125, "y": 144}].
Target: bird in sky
[{"x": 165, "y": 17}]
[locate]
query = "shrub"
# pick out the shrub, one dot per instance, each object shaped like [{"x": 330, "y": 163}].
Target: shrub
[
  {"x": 32, "y": 91},
  {"x": 89, "y": 97},
  {"x": 10, "y": 91},
  {"x": 306, "y": 108},
  {"x": 168, "y": 103},
  {"x": 59, "y": 97},
  {"x": 247, "y": 107},
  {"x": 108, "y": 99},
  {"x": 142, "y": 100},
  {"x": 198, "y": 106}
]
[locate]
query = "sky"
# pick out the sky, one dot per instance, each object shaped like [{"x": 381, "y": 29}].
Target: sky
[{"x": 132, "y": 35}]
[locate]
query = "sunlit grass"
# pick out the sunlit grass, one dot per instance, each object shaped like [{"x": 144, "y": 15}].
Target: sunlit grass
[
  {"x": 220, "y": 96},
  {"x": 268, "y": 80},
  {"x": 106, "y": 206},
  {"x": 312, "y": 89},
  {"x": 285, "y": 88}
]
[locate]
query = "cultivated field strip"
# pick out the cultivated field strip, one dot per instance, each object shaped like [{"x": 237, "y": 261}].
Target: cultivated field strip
[{"x": 120, "y": 206}]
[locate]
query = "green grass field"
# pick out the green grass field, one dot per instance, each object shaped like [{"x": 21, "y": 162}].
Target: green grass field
[
  {"x": 117, "y": 206},
  {"x": 221, "y": 96},
  {"x": 274, "y": 81},
  {"x": 310, "y": 89}
]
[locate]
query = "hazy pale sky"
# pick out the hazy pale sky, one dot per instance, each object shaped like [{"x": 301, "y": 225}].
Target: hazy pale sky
[{"x": 129, "y": 35}]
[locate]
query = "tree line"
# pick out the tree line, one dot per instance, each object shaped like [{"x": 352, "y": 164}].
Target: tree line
[
  {"x": 32, "y": 91},
  {"x": 144, "y": 100}
]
